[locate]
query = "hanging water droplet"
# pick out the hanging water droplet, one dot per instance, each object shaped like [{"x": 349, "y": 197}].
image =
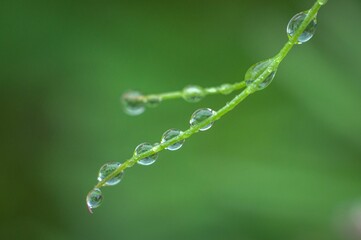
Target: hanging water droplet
[
  {"x": 170, "y": 134},
  {"x": 144, "y": 147},
  {"x": 153, "y": 101},
  {"x": 201, "y": 115},
  {"x": 193, "y": 93},
  {"x": 133, "y": 103},
  {"x": 256, "y": 70},
  {"x": 94, "y": 199},
  {"x": 296, "y": 22},
  {"x": 225, "y": 88},
  {"x": 107, "y": 169}
]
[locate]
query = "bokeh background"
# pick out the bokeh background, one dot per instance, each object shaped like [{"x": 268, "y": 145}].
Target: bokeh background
[{"x": 285, "y": 164}]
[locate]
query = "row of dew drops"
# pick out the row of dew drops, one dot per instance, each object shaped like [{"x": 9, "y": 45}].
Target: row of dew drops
[
  {"x": 135, "y": 103},
  {"x": 95, "y": 197}
]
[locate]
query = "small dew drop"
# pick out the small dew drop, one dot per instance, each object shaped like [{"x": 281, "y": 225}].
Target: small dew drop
[
  {"x": 153, "y": 101},
  {"x": 144, "y": 147},
  {"x": 225, "y": 88},
  {"x": 256, "y": 70},
  {"x": 296, "y": 22},
  {"x": 201, "y": 115},
  {"x": 107, "y": 169},
  {"x": 94, "y": 199},
  {"x": 193, "y": 94},
  {"x": 170, "y": 134},
  {"x": 133, "y": 103}
]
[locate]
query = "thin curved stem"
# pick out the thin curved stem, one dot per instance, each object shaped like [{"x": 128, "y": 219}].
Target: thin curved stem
[
  {"x": 251, "y": 88},
  {"x": 223, "y": 89}
]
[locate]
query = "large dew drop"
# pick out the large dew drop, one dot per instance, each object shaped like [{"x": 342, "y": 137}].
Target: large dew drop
[
  {"x": 142, "y": 148},
  {"x": 106, "y": 170},
  {"x": 133, "y": 103},
  {"x": 201, "y": 115},
  {"x": 169, "y": 135},
  {"x": 296, "y": 22},
  {"x": 94, "y": 199},
  {"x": 256, "y": 70},
  {"x": 193, "y": 93}
]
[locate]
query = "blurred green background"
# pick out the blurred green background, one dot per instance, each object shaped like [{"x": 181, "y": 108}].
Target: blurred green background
[{"x": 285, "y": 164}]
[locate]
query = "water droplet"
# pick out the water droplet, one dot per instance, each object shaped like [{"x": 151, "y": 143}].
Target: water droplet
[
  {"x": 144, "y": 147},
  {"x": 322, "y": 2},
  {"x": 296, "y": 22},
  {"x": 94, "y": 199},
  {"x": 170, "y": 134},
  {"x": 107, "y": 169},
  {"x": 201, "y": 115},
  {"x": 153, "y": 101},
  {"x": 225, "y": 88},
  {"x": 256, "y": 70},
  {"x": 133, "y": 103},
  {"x": 193, "y": 93}
]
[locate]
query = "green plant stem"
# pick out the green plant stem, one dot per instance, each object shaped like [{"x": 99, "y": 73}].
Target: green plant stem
[
  {"x": 229, "y": 88},
  {"x": 225, "y": 109}
]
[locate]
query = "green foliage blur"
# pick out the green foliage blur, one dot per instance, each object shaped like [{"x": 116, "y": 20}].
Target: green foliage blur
[{"x": 285, "y": 164}]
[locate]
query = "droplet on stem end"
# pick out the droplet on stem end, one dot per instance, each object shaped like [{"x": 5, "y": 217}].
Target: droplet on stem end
[{"x": 94, "y": 199}]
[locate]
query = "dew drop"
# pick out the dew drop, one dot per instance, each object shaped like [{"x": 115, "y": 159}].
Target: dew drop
[
  {"x": 225, "y": 88},
  {"x": 201, "y": 115},
  {"x": 133, "y": 103},
  {"x": 144, "y": 147},
  {"x": 153, "y": 101},
  {"x": 322, "y": 2},
  {"x": 256, "y": 70},
  {"x": 170, "y": 134},
  {"x": 296, "y": 22},
  {"x": 94, "y": 199},
  {"x": 106, "y": 170},
  {"x": 193, "y": 94}
]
